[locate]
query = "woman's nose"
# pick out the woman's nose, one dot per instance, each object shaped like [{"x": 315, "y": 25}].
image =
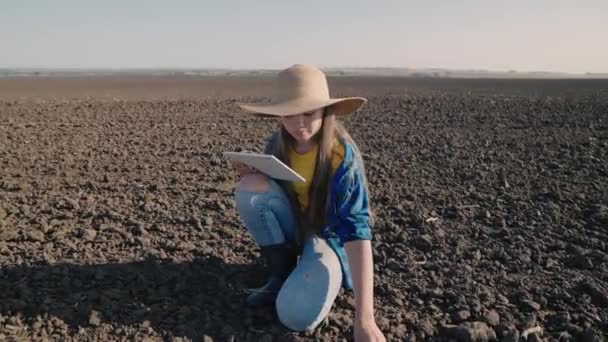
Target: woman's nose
[{"x": 300, "y": 120}]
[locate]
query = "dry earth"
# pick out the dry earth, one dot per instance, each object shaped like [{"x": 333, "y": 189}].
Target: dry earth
[{"x": 117, "y": 217}]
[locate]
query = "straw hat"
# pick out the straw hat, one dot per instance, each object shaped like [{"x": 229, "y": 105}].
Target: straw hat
[{"x": 300, "y": 89}]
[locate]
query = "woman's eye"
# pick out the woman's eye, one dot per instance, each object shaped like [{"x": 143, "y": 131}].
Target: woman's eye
[{"x": 309, "y": 114}]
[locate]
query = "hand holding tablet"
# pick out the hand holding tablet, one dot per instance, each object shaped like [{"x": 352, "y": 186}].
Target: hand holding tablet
[{"x": 266, "y": 164}]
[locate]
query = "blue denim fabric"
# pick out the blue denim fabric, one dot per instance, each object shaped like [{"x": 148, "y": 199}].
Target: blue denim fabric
[
  {"x": 268, "y": 216},
  {"x": 311, "y": 289},
  {"x": 348, "y": 218},
  {"x": 309, "y": 292}
]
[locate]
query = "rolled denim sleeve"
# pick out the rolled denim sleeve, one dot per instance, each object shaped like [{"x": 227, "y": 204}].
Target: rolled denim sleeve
[{"x": 353, "y": 209}]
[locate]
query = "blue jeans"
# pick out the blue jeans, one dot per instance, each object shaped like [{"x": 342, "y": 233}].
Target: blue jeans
[{"x": 310, "y": 290}]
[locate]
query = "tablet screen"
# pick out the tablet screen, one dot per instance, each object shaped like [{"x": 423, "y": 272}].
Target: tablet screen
[{"x": 266, "y": 164}]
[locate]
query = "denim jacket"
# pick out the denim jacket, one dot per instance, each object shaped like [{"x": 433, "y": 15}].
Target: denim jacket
[{"x": 348, "y": 217}]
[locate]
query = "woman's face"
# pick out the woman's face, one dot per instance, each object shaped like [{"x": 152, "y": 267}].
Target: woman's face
[{"x": 303, "y": 127}]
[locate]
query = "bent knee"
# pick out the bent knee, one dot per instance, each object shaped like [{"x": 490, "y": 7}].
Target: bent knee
[
  {"x": 254, "y": 182},
  {"x": 298, "y": 315},
  {"x": 297, "y": 320}
]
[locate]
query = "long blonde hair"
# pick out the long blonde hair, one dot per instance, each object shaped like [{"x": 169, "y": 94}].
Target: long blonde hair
[{"x": 312, "y": 220}]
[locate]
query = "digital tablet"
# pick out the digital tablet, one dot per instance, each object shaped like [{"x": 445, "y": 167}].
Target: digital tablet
[{"x": 266, "y": 164}]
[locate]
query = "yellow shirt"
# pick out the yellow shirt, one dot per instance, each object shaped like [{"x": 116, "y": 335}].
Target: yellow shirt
[{"x": 304, "y": 164}]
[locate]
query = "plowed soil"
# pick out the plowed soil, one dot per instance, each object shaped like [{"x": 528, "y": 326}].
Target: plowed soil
[{"x": 117, "y": 218}]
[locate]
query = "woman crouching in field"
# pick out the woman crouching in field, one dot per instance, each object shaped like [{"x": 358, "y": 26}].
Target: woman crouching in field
[{"x": 325, "y": 220}]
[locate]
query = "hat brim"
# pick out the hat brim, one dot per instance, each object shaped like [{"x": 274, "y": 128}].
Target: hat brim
[{"x": 341, "y": 106}]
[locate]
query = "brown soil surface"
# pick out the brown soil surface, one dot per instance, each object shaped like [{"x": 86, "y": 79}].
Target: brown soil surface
[{"x": 117, "y": 216}]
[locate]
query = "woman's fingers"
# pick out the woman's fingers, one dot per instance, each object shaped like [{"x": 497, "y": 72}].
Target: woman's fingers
[
  {"x": 243, "y": 169},
  {"x": 247, "y": 170},
  {"x": 235, "y": 164}
]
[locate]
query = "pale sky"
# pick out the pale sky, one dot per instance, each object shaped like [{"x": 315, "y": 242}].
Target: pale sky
[{"x": 524, "y": 35}]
